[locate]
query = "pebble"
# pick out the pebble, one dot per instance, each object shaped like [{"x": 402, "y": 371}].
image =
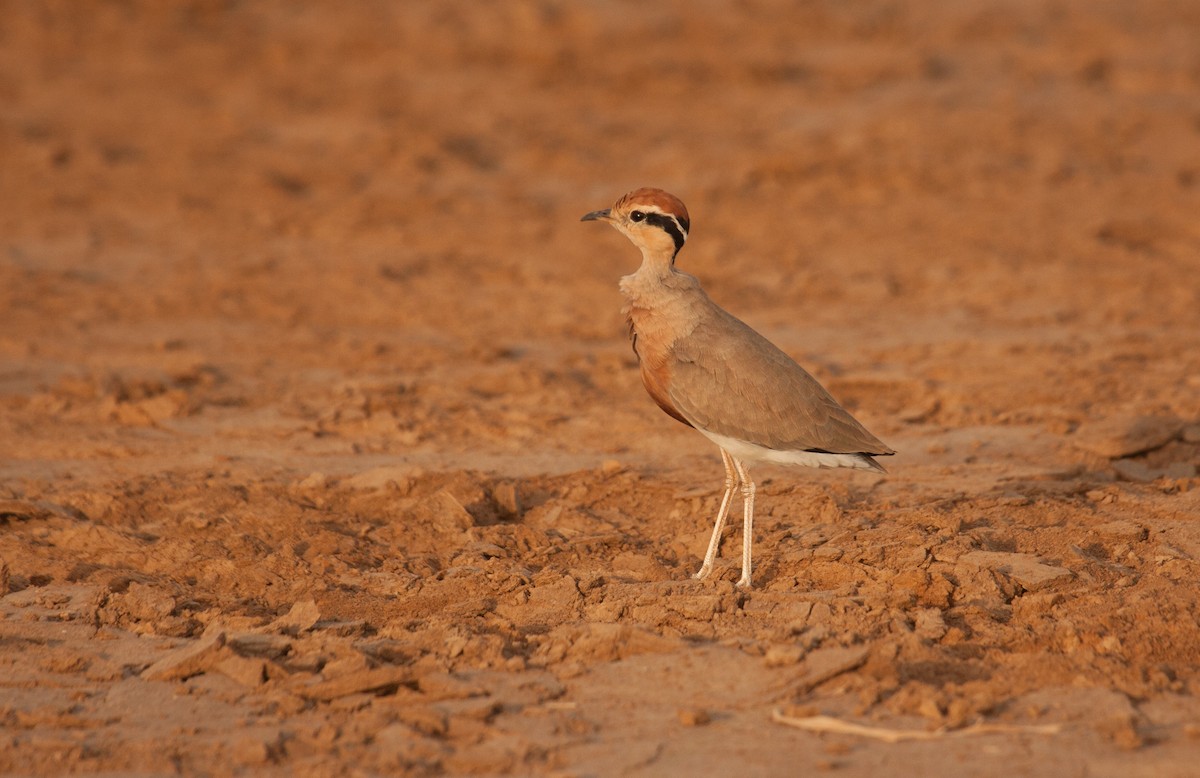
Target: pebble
[
  {"x": 783, "y": 655},
  {"x": 1122, "y": 530},
  {"x": 508, "y": 500},
  {"x": 187, "y": 661},
  {"x": 1025, "y": 569},
  {"x": 1127, "y": 434}
]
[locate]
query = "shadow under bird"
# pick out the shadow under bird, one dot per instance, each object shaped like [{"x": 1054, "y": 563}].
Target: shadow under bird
[{"x": 711, "y": 371}]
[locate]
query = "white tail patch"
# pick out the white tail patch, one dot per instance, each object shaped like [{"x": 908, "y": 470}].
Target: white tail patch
[{"x": 741, "y": 449}]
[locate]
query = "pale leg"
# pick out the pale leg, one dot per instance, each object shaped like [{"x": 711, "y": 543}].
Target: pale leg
[
  {"x": 747, "y": 523},
  {"x": 710, "y": 556}
]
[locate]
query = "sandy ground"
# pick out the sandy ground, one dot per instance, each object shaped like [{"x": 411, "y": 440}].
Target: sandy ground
[{"x": 324, "y": 452}]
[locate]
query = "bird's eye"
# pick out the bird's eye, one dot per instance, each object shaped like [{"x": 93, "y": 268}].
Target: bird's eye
[{"x": 637, "y": 216}]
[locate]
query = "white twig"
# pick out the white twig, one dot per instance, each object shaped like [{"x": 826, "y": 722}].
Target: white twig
[{"x": 839, "y": 727}]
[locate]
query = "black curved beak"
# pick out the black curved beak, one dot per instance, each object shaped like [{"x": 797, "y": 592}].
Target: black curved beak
[{"x": 596, "y": 216}]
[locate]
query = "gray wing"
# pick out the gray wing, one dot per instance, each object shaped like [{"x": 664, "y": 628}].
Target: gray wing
[{"x": 728, "y": 379}]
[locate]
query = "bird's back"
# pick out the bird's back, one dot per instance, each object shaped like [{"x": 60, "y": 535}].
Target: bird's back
[{"x": 726, "y": 379}]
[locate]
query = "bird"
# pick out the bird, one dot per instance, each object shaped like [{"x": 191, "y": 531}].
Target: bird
[{"x": 709, "y": 370}]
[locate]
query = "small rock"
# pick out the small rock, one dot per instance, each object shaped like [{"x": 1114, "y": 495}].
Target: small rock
[
  {"x": 700, "y": 607},
  {"x": 380, "y": 679},
  {"x": 352, "y": 702},
  {"x": 1034, "y": 605},
  {"x": 915, "y": 557},
  {"x": 596, "y": 642},
  {"x": 481, "y": 549},
  {"x": 1127, "y": 434},
  {"x": 314, "y": 482},
  {"x": 929, "y": 624},
  {"x": 826, "y": 663},
  {"x": 425, "y": 719},
  {"x": 300, "y": 618},
  {"x": 1166, "y": 552},
  {"x": 188, "y": 661},
  {"x": 306, "y": 663},
  {"x": 930, "y": 709},
  {"x": 474, "y": 709},
  {"x": 920, "y": 411},
  {"x": 250, "y": 750},
  {"x": 694, "y": 717},
  {"x": 1025, "y": 569},
  {"x": 1122, "y": 530},
  {"x": 247, "y": 672},
  {"x": 147, "y": 603},
  {"x": 508, "y": 500},
  {"x": 1121, "y": 728},
  {"x": 348, "y": 628},
  {"x": 783, "y": 655},
  {"x": 347, "y": 664},
  {"x": 641, "y": 567},
  {"x": 444, "y": 686},
  {"x": 444, "y": 513},
  {"x": 255, "y": 645},
  {"x": 150, "y": 411}
]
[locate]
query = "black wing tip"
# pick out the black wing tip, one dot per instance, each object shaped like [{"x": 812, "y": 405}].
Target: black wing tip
[
  {"x": 871, "y": 463},
  {"x": 868, "y": 460}
]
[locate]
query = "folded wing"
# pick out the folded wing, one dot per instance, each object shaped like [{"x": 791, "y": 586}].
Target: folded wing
[{"x": 729, "y": 380}]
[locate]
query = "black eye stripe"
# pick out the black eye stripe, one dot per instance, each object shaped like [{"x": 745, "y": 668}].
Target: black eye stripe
[{"x": 668, "y": 225}]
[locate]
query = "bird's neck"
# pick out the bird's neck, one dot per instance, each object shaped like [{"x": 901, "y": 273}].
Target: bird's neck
[
  {"x": 657, "y": 283},
  {"x": 655, "y": 272},
  {"x": 657, "y": 264}
]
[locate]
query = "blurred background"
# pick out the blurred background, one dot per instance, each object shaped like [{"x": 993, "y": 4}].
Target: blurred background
[{"x": 316, "y": 178}]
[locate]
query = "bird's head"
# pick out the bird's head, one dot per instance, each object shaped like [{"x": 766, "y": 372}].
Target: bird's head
[{"x": 656, "y": 221}]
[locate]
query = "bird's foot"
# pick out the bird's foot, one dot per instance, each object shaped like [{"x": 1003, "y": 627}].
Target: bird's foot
[
  {"x": 743, "y": 582},
  {"x": 703, "y": 572}
]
